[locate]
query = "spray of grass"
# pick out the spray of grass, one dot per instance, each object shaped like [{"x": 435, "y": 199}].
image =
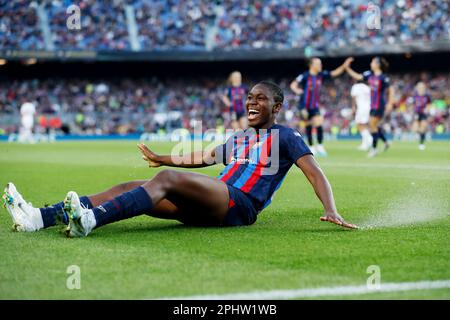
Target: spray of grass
[{"x": 415, "y": 206}]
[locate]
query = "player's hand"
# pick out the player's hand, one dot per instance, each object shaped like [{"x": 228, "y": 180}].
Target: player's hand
[
  {"x": 348, "y": 62},
  {"x": 304, "y": 114},
  {"x": 149, "y": 156},
  {"x": 337, "y": 219}
]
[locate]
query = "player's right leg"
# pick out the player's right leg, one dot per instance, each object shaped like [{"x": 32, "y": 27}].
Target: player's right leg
[
  {"x": 373, "y": 125},
  {"x": 365, "y": 136},
  {"x": 317, "y": 121},
  {"x": 25, "y": 217}
]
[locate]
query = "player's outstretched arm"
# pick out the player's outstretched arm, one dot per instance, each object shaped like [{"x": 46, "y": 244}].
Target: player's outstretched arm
[
  {"x": 322, "y": 187},
  {"x": 340, "y": 70},
  {"x": 352, "y": 73},
  {"x": 196, "y": 159}
]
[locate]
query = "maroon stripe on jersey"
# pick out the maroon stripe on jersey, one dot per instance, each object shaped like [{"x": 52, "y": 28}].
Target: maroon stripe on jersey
[{"x": 265, "y": 150}]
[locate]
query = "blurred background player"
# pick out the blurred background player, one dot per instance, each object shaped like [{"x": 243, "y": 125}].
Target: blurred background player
[
  {"x": 308, "y": 85},
  {"x": 381, "y": 98},
  {"x": 360, "y": 94},
  {"x": 421, "y": 103},
  {"x": 234, "y": 99},
  {"x": 27, "y": 112}
]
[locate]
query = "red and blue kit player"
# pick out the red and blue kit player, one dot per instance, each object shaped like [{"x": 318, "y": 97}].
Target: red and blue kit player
[
  {"x": 381, "y": 98},
  {"x": 234, "y": 99},
  {"x": 421, "y": 103},
  {"x": 257, "y": 161},
  {"x": 308, "y": 86}
]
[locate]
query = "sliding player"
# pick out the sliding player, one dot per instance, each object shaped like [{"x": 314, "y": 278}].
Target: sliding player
[
  {"x": 381, "y": 98},
  {"x": 234, "y": 99},
  {"x": 421, "y": 101},
  {"x": 360, "y": 94},
  {"x": 308, "y": 86},
  {"x": 256, "y": 163}
]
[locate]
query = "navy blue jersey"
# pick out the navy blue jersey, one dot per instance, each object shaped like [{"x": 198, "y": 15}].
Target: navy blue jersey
[
  {"x": 378, "y": 89},
  {"x": 311, "y": 85},
  {"x": 257, "y": 162},
  {"x": 421, "y": 102},
  {"x": 237, "y": 96}
]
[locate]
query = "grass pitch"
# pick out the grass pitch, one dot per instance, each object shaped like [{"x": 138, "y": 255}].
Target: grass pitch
[{"x": 401, "y": 199}]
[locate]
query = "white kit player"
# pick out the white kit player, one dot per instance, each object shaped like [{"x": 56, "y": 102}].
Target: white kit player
[
  {"x": 360, "y": 94},
  {"x": 27, "y": 112}
]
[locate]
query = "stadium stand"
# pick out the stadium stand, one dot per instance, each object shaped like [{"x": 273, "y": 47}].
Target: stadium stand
[
  {"x": 228, "y": 25},
  {"x": 129, "y": 105}
]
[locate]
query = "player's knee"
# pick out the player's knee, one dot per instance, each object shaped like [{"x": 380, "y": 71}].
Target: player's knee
[{"x": 168, "y": 177}]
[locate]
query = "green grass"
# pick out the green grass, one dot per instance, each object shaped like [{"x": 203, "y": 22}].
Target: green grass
[{"x": 402, "y": 194}]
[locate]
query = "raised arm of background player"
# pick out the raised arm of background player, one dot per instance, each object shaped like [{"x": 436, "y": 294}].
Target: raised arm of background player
[
  {"x": 335, "y": 73},
  {"x": 307, "y": 164},
  {"x": 359, "y": 76}
]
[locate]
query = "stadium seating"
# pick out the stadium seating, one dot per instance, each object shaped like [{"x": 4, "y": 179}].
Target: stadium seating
[
  {"x": 129, "y": 105},
  {"x": 233, "y": 24}
]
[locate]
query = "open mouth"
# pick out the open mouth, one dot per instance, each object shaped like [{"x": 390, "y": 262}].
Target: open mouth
[{"x": 252, "y": 114}]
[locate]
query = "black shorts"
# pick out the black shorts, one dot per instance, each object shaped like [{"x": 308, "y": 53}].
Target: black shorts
[
  {"x": 312, "y": 113},
  {"x": 237, "y": 115},
  {"x": 241, "y": 211},
  {"x": 379, "y": 113},
  {"x": 421, "y": 116}
]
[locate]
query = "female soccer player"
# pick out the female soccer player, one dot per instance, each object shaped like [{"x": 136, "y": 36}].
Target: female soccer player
[
  {"x": 379, "y": 85},
  {"x": 234, "y": 99},
  {"x": 308, "y": 86},
  {"x": 421, "y": 101},
  {"x": 257, "y": 161}
]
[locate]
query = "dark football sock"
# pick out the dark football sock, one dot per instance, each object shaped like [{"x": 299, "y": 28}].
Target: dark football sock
[
  {"x": 127, "y": 205},
  {"x": 319, "y": 134},
  {"x": 309, "y": 135},
  {"x": 374, "y": 139},
  {"x": 422, "y": 137},
  {"x": 381, "y": 135},
  {"x": 53, "y": 214}
]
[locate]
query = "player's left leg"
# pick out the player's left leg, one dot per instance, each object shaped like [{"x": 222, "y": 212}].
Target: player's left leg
[
  {"x": 199, "y": 198},
  {"x": 317, "y": 122},
  {"x": 382, "y": 136},
  {"x": 27, "y": 218},
  {"x": 422, "y": 132},
  {"x": 373, "y": 125},
  {"x": 365, "y": 136}
]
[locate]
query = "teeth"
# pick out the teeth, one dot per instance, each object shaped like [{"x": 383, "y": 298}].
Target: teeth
[{"x": 253, "y": 111}]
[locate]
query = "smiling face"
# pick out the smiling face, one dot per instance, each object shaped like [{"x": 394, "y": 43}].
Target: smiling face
[{"x": 261, "y": 107}]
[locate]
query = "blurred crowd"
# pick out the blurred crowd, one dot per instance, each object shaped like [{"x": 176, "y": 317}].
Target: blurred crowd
[
  {"x": 19, "y": 27},
  {"x": 223, "y": 24},
  {"x": 129, "y": 105}
]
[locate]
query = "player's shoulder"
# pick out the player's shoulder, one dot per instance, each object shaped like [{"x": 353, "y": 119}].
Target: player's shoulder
[
  {"x": 367, "y": 73},
  {"x": 286, "y": 132},
  {"x": 302, "y": 76}
]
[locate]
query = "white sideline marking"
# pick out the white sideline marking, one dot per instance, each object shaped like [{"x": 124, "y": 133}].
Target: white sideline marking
[
  {"x": 386, "y": 166},
  {"x": 319, "y": 292}
]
